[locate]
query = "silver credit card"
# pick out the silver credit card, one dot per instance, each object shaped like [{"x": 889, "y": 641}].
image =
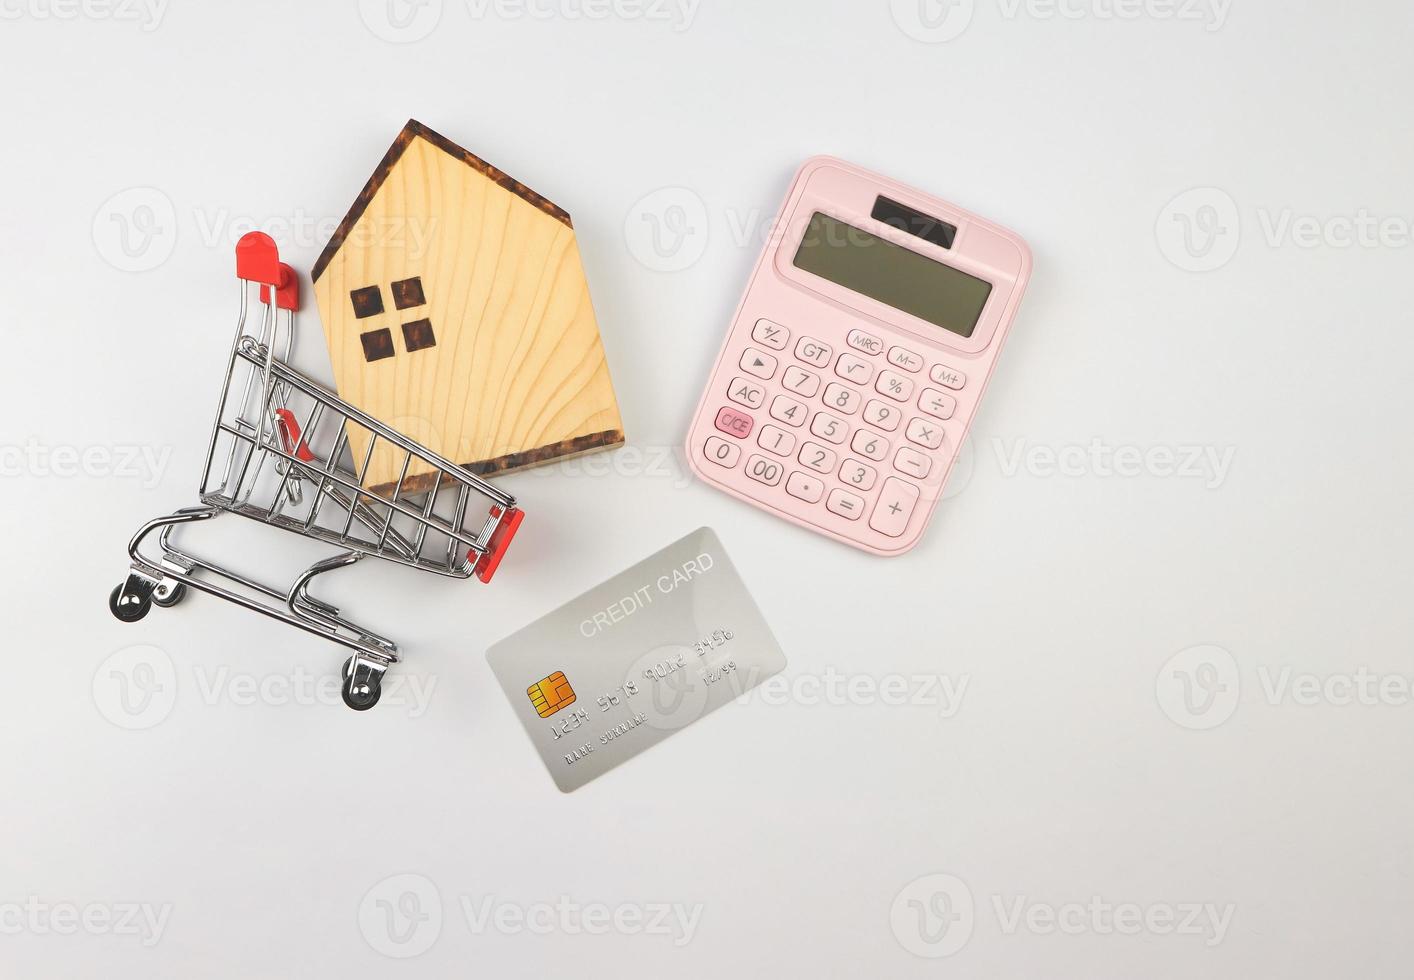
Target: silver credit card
[{"x": 634, "y": 660}]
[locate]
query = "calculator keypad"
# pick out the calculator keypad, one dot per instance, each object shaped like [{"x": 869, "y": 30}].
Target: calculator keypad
[{"x": 855, "y": 432}]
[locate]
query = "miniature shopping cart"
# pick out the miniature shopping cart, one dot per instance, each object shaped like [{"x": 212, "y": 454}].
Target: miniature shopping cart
[{"x": 288, "y": 452}]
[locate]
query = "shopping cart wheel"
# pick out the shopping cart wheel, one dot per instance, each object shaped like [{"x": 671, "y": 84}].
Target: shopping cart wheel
[
  {"x": 127, "y": 605},
  {"x": 363, "y": 691},
  {"x": 168, "y": 595}
]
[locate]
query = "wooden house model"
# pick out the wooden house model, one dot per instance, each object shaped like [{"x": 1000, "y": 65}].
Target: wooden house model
[{"x": 456, "y": 311}]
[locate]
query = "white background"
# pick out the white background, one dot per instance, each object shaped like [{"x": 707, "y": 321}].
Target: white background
[{"x": 1134, "y": 642}]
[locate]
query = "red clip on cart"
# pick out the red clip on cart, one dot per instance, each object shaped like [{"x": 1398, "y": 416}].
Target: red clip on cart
[{"x": 280, "y": 454}]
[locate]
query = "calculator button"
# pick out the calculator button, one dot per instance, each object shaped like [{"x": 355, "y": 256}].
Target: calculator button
[
  {"x": 800, "y": 381},
  {"x": 775, "y": 440},
  {"x": 857, "y": 475},
  {"x": 746, "y": 393},
  {"x": 882, "y": 414},
  {"x": 895, "y": 507},
  {"x": 770, "y": 333},
  {"x": 764, "y": 470},
  {"x": 721, "y": 452},
  {"x": 735, "y": 423},
  {"x": 828, "y": 427},
  {"x": 925, "y": 432},
  {"x": 937, "y": 404},
  {"x": 759, "y": 363},
  {"x": 901, "y": 357},
  {"x": 947, "y": 377},
  {"x": 912, "y": 462},
  {"x": 839, "y": 397},
  {"x": 895, "y": 386},
  {"x": 789, "y": 411},
  {"x": 811, "y": 351},
  {"x": 845, "y": 504},
  {"x": 806, "y": 487},
  {"x": 817, "y": 457},
  {"x": 868, "y": 343},
  {"x": 870, "y": 445},
  {"x": 854, "y": 369}
]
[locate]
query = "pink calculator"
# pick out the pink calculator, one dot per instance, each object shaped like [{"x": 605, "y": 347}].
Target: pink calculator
[{"x": 858, "y": 357}]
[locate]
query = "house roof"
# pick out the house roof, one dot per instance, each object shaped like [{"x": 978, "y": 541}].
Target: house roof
[{"x": 390, "y": 160}]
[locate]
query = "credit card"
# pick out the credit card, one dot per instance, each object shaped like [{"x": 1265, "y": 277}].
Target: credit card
[{"x": 630, "y": 662}]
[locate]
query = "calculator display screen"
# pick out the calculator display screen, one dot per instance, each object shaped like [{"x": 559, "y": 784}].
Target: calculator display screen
[{"x": 855, "y": 259}]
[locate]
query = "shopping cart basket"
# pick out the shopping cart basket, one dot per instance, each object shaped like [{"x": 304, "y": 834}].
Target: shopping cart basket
[{"x": 288, "y": 452}]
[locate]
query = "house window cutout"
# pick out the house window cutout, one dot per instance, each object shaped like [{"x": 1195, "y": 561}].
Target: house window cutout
[
  {"x": 407, "y": 293},
  {"x": 367, "y": 302},
  {"x": 377, "y": 344},
  {"x": 418, "y": 335}
]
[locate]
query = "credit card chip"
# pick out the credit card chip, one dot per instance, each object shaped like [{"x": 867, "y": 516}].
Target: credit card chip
[{"x": 551, "y": 694}]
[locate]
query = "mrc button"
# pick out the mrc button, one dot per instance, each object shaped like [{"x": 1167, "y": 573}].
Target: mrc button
[{"x": 735, "y": 423}]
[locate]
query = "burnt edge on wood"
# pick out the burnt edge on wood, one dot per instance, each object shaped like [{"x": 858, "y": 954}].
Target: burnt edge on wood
[
  {"x": 554, "y": 452},
  {"x": 390, "y": 159}
]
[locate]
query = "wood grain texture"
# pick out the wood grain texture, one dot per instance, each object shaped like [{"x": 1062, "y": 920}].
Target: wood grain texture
[{"x": 515, "y": 375}]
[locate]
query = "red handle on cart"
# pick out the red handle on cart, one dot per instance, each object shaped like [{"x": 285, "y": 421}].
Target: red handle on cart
[
  {"x": 290, "y": 435},
  {"x": 287, "y": 293},
  {"x": 257, "y": 259},
  {"x": 500, "y": 541}
]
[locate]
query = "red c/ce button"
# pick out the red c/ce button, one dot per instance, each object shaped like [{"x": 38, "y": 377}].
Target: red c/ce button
[{"x": 735, "y": 423}]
